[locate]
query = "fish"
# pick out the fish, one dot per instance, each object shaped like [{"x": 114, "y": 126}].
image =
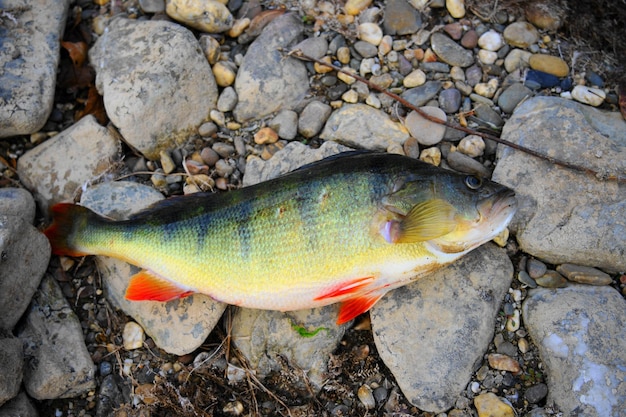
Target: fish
[{"x": 346, "y": 229}]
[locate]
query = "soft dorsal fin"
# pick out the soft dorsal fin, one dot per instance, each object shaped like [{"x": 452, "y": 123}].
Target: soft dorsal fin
[
  {"x": 425, "y": 221},
  {"x": 146, "y": 285}
]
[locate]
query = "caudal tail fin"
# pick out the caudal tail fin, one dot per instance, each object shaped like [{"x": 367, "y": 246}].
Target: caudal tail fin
[{"x": 68, "y": 220}]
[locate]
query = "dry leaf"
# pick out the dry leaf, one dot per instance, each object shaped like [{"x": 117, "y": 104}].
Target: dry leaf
[
  {"x": 77, "y": 51},
  {"x": 93, "y": 105}
]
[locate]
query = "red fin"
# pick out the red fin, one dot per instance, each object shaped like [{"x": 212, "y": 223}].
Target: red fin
[
  {"x": 146, "y": 285},
  {"x": 353, "y": 307},
  {"x": 353, "y": 286},
  {"x": 66, "y": 219}
]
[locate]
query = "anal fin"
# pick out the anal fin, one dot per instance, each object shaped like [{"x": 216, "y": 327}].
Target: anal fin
[
  {"x": 146, "y": 285},
  {"x": 355, "y": 306},
  {"x": 352, "y": 286}
]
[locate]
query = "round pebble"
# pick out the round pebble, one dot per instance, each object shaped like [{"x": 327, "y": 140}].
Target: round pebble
[
  {"x": 487, "y": 89},
  {"x": 223, "y": 168},
  {"x": 470, "y": 39},
  {"x": 431, "y": 156},
  {"x": 513, "y": 321},
  {"x": 550, "y": 64},
  {"x": 456, "y": 8},
  {"x": 521, "y": 34},
  {"x": 552, "y": 279},
  {"x": 426, "y": 132},
  {"x": 207, "y": 129},
  {"x": 224, "y": 73},
  {"x": 535, "y": 268},
  {"x": 536, "y": 393},
  {"x": 472, "y": 146},
  {"x": 167, "y": 163},
  {"x": 503, "y": 363},
  {"x": 370, "y": 32},
  {"x": 414, "y": 79},
  {"x": 366, "y": 397},
  {"x": 209, "y": 156},
  {"x": 133, "y": 336},
  {"x": 354, "y": 7},
  {"x": 522, "y": 345},
  {"x": 487, "y": 57},
  {"x": 265, "y": 135},
  {"x": 223, "y": 149},
  {"x": 491, "y": 41},
  {"x": 525, "y": 279}
]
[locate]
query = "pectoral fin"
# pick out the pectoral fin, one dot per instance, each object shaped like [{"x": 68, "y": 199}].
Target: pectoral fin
[
  {"x": 425, "y": 221},
  {"x": 355, "y": 306},
  {"x": 146, "y": 285}
]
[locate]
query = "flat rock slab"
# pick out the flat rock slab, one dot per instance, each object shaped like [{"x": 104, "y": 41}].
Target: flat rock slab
[
  {"x": 580, "y": 332},
  {"x": 178, "y": 326},
  {"x": 364, "y": 127},
  {"x": 157, "y": 85},
  {"x": 57, "y": 169},
  {"x": 431, "y": 333},
  {"x": 29, "y": 56},
  {"x": 304, "y": 338},
  {"x": 565, "y": 216},
  {"x": 58, "y": 364},
  {"x": 268, "y": 80}
]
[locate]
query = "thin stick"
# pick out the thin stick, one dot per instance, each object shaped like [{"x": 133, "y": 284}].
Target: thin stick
[{"x": 601, "y": 176}]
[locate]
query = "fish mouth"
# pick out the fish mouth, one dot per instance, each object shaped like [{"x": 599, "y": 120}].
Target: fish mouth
[{"x": 499, "y": 208}]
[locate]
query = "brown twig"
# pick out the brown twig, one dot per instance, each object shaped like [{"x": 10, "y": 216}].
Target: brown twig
[{"x": 599, "y": 175}]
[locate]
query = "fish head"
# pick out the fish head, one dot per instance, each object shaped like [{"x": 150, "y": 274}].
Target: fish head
[{"x": 469, "y": 210}]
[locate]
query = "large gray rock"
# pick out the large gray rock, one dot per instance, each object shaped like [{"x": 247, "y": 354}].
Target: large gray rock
[
  {"x": 58, "y": 364},
  {"x": 269, "y": 81},
  {"x": 11, "y": 364},
  {"x": 305, "y": 338},
  {"x": 25, "y": 255},
  {"x": 581, "y": 332},
  {"x": 18, "y": 407},
  {"x": 30, "y": 34},
  {"x": 364, "y": 127},
  {"x": 432, "y": 333},
  {"x": 179, "y": 326},
  {"x": 17, "y": 202},
  {"x": 157, "y": 85},
  {"x": 57, "y": 169},
  {"x": 565, "y": 216}
]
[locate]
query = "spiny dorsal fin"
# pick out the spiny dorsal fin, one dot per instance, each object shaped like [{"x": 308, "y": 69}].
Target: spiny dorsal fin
[{"x": 425, "y": 221}]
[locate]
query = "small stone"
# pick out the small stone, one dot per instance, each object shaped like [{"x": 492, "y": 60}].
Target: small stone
[
  {"x": 373, "y": 100},
  {"x": 516, "y": 59},
  {"x": 456, "y": 8},
  {"x": 366, "y": 397},
  {"x": 431, "y": 156},
  {"x": 211, "y": 48},
  {"x": 238, "y": 27},
  {"x": 547, "y": 15},
  {"x": 209, "y": 16},
  {"x": 321, "y": 68},
  {"x": 552, "y": 279},
  {"x": 285, "y": 123},
  {"x": 541, "y": 79},
  {"x": 365, "y": 49},
  {"x": 521, "y": 34},
  {"x": 503, "y": 363},
  {"x": 350, "y": 96},
  {"x": 522, "y": 345},
  {"x": 584, "y": 274},
  {"x": 470, "y": 39},
  {"x": 133, "y": 336},
  {"x": 370, "y": 32},
  {"x": 167, "y": 162},
  {"x": 536, "y": 393},
  {"x": 450, "y": 100},
  {"x": 455, "y": 30},
  {"x": 345, "y": 77},
  {"x": 550, "y": 64},
  {"x": 450, "y": 52},
  {"x": 491, "y": 41},
  {"x": 525, "y": 279},
  {"x": 513, "y": 321},
  {"x": 354, "y": 7},
  {"x": 223, "y": 168},
  {"x": 207, "y": 129},
  {"x": 426, "y": 132},
  {"x": 385, "y": 45},
  {"x": 209, "y": 156},
  {"x": 588, "y": 95},
  {"x": 217, "y": 117},
  {"x": 487, "y": 89},
  {"x": 224, "y": 73},
  {"x": 490, "y": 405},
  {"x": 312, "y": 118},
  {"x": 223, "y": 149},
  {"x": 401, "y": 18},
  {"x": 226, "y": 102},
  {"x": 411, "y": 148},
  {"x": 414, "y": 79},
  {"x": 512, "y": 96},
  {"x": 265, "y": 136},
  {"x": 502, "y": 238},
  {"x": 535, "y": 268},
  {"x": 472, "y": 146},
  {"x": 343, "y": 55},
  {"x": 463, "y": 163},
  {"x": 487, "y": 57}
]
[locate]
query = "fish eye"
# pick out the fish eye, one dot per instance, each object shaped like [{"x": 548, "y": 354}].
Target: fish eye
[{"x": 473, "y": 182}]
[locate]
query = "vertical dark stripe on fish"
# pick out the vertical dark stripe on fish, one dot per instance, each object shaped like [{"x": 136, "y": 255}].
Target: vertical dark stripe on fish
[
  {"x": 201, "y": 233},
  {"x": 243, "y": 229}
]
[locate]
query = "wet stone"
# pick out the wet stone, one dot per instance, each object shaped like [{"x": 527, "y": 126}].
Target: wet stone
[
  {"x": 535, "y": 268},
  {"x": 551, "y": 279},
  {"x": 536, "y": 393},
  {"x": 525, "y": 279}
]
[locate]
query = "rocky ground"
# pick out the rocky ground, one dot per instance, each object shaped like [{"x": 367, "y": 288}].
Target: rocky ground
[{"x": 150, "y": 102}]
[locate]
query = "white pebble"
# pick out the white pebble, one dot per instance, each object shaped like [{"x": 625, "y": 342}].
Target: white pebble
[
  {"x": 128, "y": 363},
  {"x": 350, "y": 96},
  {"x": 487, "y": 89},
  {"x": 588, "y": 95},
  {"x": 373, "y": 100},
  {"x": 517, "y": 295},
  {"x": 133, "y": 336},
  {"x": 491, "y": 40},
  {"x": 472, "y": 146},
  {"x": 522, "y": 345},
  {"x": 414, "y": 79},
  {"x": 487, "y": 57},
  {"x": 513, "y": 321},
  {"x": 370, "y": 32},
  {"x": 475, "y": 387},
  {"x": 426, "y": 132}
]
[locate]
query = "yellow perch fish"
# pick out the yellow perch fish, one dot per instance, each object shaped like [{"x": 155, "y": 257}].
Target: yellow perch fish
[{"x": 347, "y": 229}]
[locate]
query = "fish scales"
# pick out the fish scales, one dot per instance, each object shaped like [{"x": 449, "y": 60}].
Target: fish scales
[{"x": 310, "y": 238}]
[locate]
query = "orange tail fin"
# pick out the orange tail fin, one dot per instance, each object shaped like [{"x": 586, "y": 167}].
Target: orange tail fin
[{"x": 66, "y": 220}]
